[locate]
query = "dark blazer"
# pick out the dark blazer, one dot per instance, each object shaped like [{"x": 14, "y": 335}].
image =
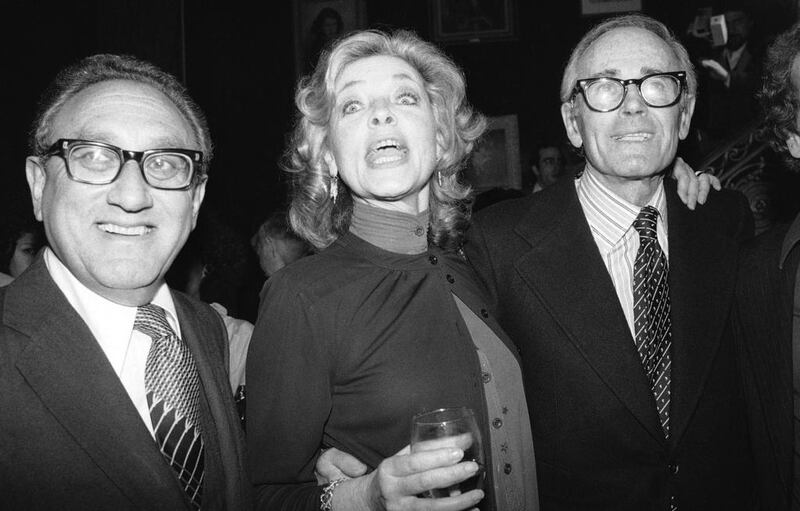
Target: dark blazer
[
  {"x": 70, "y": 437},
  {"x": 596, "y": 431},
  {"x": 764, "y": 299}
]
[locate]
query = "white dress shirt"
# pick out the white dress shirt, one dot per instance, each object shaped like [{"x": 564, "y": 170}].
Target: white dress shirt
[
  {"x": 112, "y": 327},
  {"x": 611, "y": 219}
]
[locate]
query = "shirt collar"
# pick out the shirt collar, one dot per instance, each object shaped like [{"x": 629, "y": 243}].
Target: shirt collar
[
  {"x": 791, "y": 239},
  {"x": 610, "y": 215},
  {"x": 110, "y": 322}
]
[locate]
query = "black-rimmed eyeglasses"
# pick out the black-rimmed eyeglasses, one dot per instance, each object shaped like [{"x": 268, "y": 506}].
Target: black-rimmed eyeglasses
[
  {"x": 97, "y": 163},
  {"x": 658, "y": 90}
]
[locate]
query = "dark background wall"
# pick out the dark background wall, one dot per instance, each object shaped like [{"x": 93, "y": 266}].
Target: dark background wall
[{"x": 239, "y": 66}]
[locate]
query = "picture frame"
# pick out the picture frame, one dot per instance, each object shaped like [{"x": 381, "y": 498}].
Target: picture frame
[
  {"x": 495, "y": 162},
  {"x": 595, "y": 7},
  {"x": 459, "y": 21},
  {"x": 316, "y": 22}
]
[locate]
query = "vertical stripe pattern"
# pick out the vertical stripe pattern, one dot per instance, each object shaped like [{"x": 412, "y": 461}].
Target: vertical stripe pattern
[{"x": 173, "y": 391}]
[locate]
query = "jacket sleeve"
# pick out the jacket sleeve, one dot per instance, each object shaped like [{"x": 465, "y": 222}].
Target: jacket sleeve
[{"x": 288, "y": 398}]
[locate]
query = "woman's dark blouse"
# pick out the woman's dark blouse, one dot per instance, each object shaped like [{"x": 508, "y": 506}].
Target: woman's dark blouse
[{"x": 349, "y": 345}]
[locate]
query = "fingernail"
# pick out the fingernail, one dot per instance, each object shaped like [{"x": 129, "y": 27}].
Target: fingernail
[{"x": 456, "y": 454}]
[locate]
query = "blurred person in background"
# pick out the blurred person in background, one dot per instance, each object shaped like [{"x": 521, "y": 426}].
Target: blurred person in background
[
  {"x": 21, "y": 241},
  {"x": 276, "y": 245}
]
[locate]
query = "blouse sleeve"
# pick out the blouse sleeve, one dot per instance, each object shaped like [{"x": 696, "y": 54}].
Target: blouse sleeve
[{"x": 288, "y": 397}]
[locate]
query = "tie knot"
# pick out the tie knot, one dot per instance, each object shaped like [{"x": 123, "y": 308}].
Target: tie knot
[
  {"x": 151, "y": 320},
  {"x": 645, "y": 223}
]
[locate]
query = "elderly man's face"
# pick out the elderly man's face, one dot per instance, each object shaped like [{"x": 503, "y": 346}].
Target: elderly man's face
[
  {"x": 118, "y": 239},
  {"x": 635, "y": 141}
]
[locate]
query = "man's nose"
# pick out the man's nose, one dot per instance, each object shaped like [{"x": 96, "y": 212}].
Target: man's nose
[
  {"x": 130, "y": 191},
  {"x": 633, "y": 102}
]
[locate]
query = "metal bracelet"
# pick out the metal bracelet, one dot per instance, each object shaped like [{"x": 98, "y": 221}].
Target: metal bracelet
[{"x": 326, "y": 499}]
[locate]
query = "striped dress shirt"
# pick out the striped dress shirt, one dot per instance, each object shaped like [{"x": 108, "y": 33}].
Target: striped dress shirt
[{"x": 611, "y": 219}]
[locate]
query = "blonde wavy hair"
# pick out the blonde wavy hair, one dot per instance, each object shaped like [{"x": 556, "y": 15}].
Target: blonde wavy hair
[{"x": 312, "y": 214}]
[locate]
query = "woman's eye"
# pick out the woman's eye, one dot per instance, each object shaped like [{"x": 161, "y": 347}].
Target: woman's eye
[
  {"x": 408, "y": 98},
  {"x": 351, "y": 107}
]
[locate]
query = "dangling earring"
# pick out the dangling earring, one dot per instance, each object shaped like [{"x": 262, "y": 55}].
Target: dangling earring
[
  {"x": 334, "y": 188},
  {"x": 439, "y": 177}
]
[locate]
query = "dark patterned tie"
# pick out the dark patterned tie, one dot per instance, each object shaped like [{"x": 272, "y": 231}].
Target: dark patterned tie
[
  {"x": 173, "y": 390},
  {"x": 651, "y": 311}
]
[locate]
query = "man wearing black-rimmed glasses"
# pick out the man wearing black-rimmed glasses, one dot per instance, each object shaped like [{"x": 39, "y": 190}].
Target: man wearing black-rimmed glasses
[
  {"x": 618, "y": 296},
  {"x": 113, "y": 387}
]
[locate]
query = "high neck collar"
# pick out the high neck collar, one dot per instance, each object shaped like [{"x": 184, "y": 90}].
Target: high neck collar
[{"x": 390, "y": 230}]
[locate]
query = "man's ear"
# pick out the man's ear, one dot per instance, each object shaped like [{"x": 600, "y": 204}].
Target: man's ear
[
  {"x": 571, "y": 124},
  {"x": 793, "y": 144},
  {"x": 34, "y": 171},
  {"x": 686, "y": 117},
  {"x": 198, "y": 193},
  {"x": 535, "y": 170}
]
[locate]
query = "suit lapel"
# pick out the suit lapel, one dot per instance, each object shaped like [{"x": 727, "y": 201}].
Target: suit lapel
[
  {"x": 782, "y": 343},
  {"x": 701, "y": 268},
  {"x": 69, "y": 372},
  {"x": 565, "y": 271},
  {"x": 222, "y": 436}
]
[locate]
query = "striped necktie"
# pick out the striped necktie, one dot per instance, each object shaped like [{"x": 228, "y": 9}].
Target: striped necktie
[
  {"x": 651, "y": 311},
  {"x": 173, "y": 391}
]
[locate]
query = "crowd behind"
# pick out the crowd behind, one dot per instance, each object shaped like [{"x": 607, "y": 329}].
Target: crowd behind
[{"x": 619, "y": 336}]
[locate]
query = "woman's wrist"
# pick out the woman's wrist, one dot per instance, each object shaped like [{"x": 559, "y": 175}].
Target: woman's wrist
[
  {"x": 326, "y": 499},
  {"x": 357, "y": 494}
]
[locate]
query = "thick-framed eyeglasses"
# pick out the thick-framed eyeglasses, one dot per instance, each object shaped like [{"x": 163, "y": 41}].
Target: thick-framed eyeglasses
[
  {"x": 605, "y": 94},
  {"x": 97, "y": 163}
]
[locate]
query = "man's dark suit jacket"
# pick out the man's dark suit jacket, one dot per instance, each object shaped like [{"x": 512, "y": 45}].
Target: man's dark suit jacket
[
  {"x": 764, "y": 299},
  {"x": 70, "y": 437},
  {"x": 598, "y": 440}
]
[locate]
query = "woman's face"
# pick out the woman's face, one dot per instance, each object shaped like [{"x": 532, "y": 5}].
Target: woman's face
[
  {"x": 24, "y": 254},
  {"x": 383, "y": 134}
]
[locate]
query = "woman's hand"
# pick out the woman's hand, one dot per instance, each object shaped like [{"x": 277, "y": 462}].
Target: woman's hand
[
  {"x": 397, "y": 482},
  {"x": 334, "y": 464},
  {"x": 693, "y": 189}
]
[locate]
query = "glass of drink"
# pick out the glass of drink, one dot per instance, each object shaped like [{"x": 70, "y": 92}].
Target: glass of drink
[{"x": 447, "y": 428}]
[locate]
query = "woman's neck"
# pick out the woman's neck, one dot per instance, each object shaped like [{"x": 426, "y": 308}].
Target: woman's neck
[{"x": 391, "y": 230}]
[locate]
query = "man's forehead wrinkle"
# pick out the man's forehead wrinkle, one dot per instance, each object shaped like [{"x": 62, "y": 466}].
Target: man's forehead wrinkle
[{"x": 93, "y": 135}]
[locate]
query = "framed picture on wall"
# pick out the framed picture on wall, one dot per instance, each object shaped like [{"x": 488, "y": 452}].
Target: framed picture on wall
[
  {"x": 495, "y": 162},
  {"x": 460, "y": 21},
  {"x": 592, "y": 7},
  {"x": 317, "y": 22}
]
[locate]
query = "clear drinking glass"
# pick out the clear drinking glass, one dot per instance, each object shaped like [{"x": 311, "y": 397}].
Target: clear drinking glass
[{"x": 450, "y": 427}]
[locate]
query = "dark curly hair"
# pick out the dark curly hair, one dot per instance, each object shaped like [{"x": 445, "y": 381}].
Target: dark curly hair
[{"x": 778, "y": 94}]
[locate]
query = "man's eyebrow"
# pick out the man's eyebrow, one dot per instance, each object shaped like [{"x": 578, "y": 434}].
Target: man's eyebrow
[
  {"x": 606, "y": 72},
  {"x": 651, "y": 70},
  {"x": 611, "y": 72}
]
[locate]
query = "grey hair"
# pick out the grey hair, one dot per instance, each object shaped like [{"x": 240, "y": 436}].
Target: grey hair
[
  {"x": 570, "y": 77},
  {"x": 107, "y": 67},
  {"x": 313, "y": 215}
]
